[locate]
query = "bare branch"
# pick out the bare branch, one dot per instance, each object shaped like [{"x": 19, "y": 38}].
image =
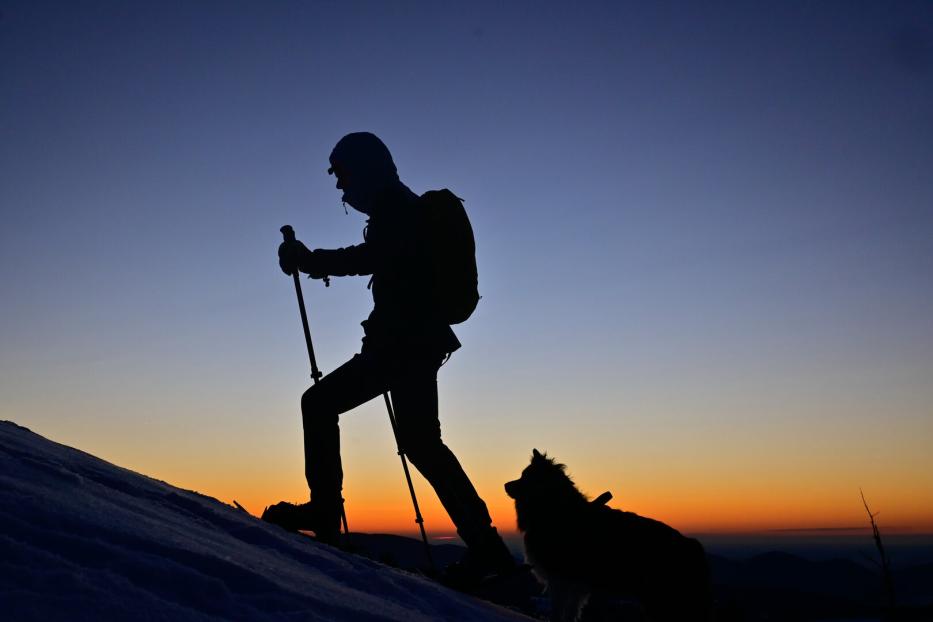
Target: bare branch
[{"x": 885, "y": 564}]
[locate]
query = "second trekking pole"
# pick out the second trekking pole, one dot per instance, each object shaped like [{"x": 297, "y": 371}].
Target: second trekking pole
[
  {"x": 411, "y": 487},
  {"x": 289, "y": 235}
]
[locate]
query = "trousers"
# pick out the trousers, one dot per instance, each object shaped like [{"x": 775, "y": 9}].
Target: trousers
[{"x": 412, "y": 381}]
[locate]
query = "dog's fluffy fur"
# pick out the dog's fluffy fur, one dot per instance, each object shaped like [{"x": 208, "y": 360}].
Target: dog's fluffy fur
[{"x": 579, "y": 548}]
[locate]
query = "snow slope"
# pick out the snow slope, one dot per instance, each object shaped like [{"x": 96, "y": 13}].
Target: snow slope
[{"x": 82, "y": 539}]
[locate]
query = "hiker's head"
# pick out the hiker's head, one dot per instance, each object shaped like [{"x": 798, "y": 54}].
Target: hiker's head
[{"x": 364, "y": 169}]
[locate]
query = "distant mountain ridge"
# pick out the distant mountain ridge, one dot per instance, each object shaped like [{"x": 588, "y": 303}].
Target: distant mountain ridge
[
  {"x": 838, "y": 577},
  {"x": 781, "y": 586}
]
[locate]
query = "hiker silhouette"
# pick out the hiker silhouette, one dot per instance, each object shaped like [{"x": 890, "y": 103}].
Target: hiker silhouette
[{"x": 406, "y": 339}]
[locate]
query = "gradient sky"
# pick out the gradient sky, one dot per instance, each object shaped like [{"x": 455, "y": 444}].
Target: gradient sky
[{"x": 704, "y": 236}]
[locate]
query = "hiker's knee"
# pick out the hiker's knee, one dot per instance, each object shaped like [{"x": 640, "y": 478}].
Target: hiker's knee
[
  {"x": 423, "y": 450},
  {"x": 315, "y": 409},
  {"x": 420, "y": 433},
  {"x": 308, "y": 402}
]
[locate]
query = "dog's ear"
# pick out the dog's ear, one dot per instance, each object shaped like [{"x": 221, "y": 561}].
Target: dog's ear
[{"x": 535, "y": 453}]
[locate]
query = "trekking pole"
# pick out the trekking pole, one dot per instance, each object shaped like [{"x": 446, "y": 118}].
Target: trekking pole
[
  {"x": 411, "y": 488},
  {"x": 289, "y": 234}
]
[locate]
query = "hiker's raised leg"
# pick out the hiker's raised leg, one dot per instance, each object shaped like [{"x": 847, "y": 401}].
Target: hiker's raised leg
[{"x": 355, "y": 382}]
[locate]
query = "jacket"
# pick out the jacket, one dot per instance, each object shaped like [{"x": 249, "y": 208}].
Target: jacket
[{"x": 394, "y": 252}]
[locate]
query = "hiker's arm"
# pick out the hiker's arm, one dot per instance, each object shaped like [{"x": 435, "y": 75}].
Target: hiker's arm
[
  {"x": 349, "y": 261},
  {"x": 320, "y": 263}
]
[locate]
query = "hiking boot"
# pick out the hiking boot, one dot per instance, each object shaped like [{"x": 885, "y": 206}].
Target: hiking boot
[
  {"x": 304, "y": 517},
  {"x": 486, "y": 556}
]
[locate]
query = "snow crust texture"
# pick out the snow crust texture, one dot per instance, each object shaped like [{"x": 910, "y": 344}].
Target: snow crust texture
[{"x": 82, "y": 539}]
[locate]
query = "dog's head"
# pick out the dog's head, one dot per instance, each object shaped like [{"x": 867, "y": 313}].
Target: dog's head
[{"x": 542, "y": 480}]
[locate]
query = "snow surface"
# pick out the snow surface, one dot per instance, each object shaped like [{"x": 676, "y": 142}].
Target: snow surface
[{"x": 83, "y": 539}]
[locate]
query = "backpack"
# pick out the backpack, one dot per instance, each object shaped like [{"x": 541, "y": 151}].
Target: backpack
[{"x": 452, "y": 249}]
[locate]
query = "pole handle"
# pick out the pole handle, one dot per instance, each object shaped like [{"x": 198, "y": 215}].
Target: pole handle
[{"x": 289, "y": 236}]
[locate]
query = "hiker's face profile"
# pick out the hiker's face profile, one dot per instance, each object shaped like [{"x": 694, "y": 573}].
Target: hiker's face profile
[
  {"x": 340, "y": 174},
  {"x": 353, "y": 187},
  {"x": 343, "y": 182}
]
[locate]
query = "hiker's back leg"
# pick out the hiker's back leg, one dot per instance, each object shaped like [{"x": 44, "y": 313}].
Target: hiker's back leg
[{"x": 415, "y": 399}]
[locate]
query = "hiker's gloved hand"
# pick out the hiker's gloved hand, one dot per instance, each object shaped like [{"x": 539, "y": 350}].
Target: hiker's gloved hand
[
  {"x": 292, "y": 255},
  {"x": 295, "y": 255},
  {"x": 291, "y": 252}
]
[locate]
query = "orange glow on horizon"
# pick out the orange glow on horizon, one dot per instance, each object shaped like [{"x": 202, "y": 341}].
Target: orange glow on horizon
[
  {"x": 723, "y": 516},
  {"x": 736, "y": 490}
]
